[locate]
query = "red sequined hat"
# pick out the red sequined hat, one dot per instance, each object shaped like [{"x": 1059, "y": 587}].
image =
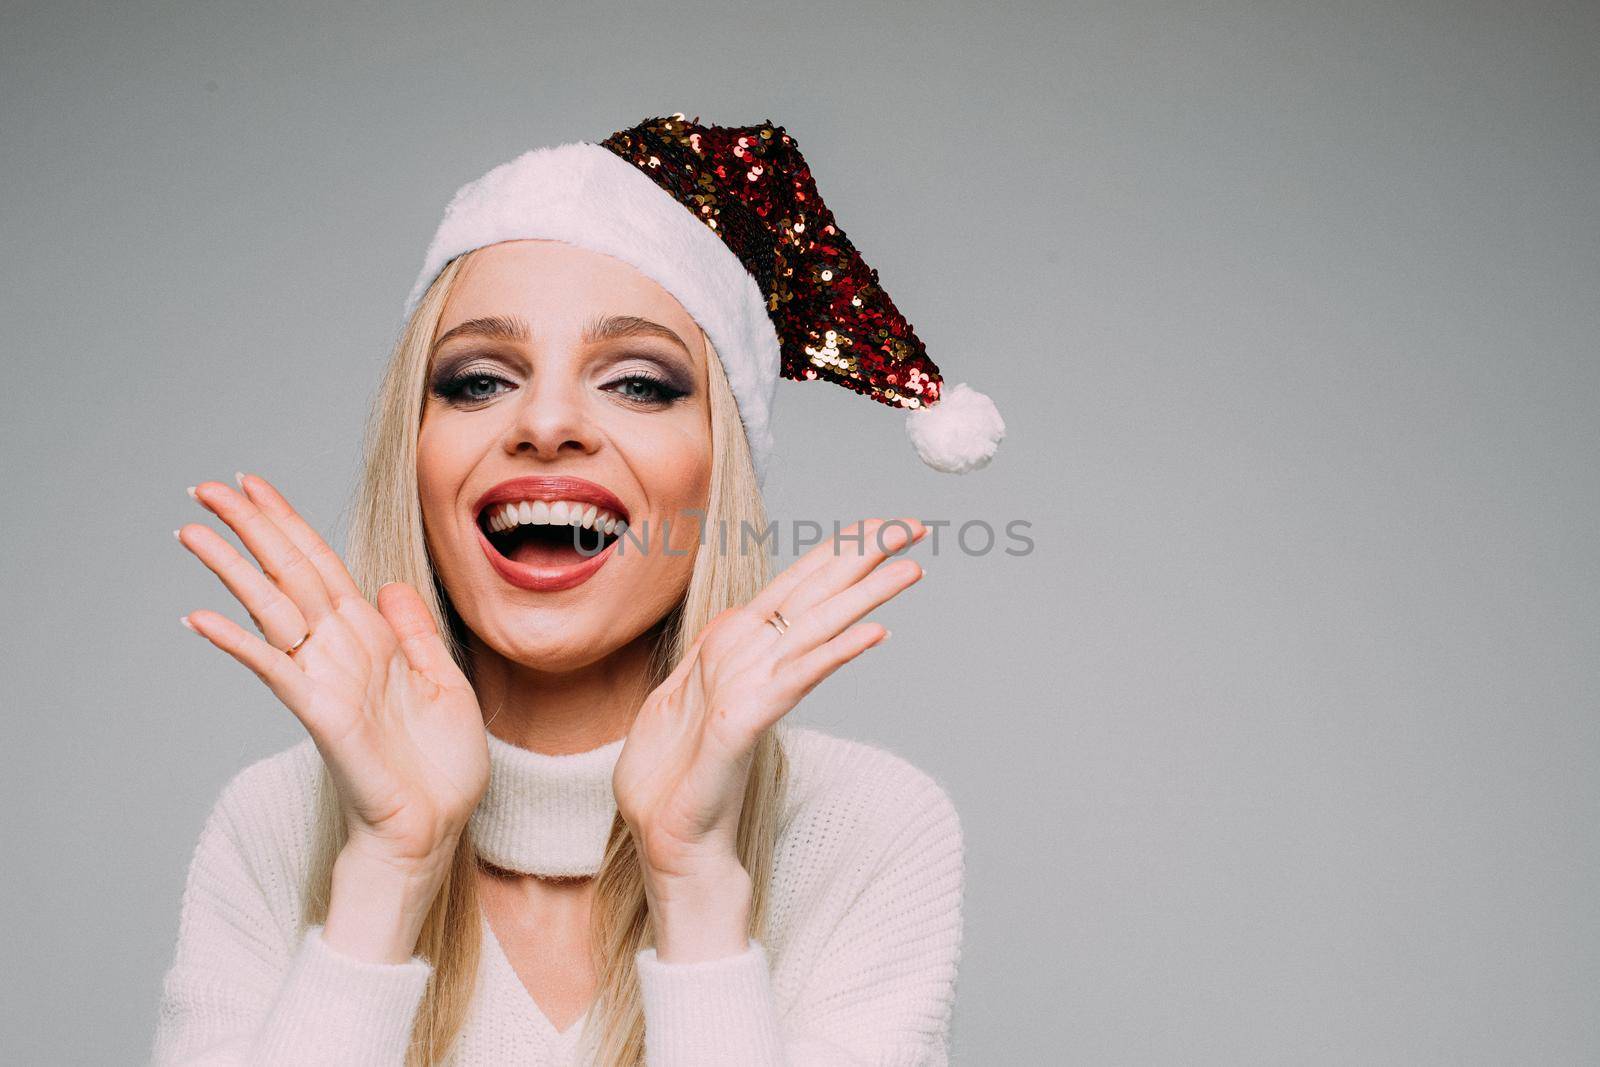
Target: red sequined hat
[{"x": 729, "y": 220}]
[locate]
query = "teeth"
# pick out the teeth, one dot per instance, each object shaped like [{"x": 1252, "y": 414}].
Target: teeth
[{"x": 552, "y": 513}]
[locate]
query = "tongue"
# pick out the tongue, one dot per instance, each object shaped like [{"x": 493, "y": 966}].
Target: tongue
[{"x": 547, "y": 551}]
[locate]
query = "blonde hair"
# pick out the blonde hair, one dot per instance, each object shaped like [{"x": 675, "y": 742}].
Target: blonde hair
[{"x": 385, "y": 543}]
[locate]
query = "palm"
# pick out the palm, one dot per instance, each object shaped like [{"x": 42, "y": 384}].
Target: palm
[
  {"x": 681, "y": 765},
  {"x": 681, "y": 776},
  {"x": 408, "y": 752}
]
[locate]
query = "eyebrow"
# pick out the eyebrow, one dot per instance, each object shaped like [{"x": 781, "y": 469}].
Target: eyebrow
[{"x": 600, "y": 328}]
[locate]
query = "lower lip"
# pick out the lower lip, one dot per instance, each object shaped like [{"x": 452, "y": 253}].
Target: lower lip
[{"x": 543, "y": 579}]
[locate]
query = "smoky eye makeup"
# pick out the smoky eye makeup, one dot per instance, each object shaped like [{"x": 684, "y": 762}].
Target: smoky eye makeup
[
  {"x": 463, "y": 377},
  {"x": 639, "y": 378},
  {"x": 451, "y": 363},
  {"x": 669, "y": 378},
  {"x": 641, "y": 389}
]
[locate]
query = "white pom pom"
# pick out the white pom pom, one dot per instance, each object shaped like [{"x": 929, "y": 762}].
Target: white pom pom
[{"x": 958, "y": 434}]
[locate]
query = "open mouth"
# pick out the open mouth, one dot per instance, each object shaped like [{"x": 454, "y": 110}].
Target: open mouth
[{"x": 550, "y": 534}]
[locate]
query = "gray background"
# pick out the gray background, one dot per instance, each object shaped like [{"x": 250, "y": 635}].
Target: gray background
[{"x": 1282, "y": 745}]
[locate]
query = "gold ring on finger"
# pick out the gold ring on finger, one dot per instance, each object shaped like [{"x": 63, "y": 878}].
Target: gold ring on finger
[
  {"x": 778, "y": 622},
  {"x": 292, "y": 649}
]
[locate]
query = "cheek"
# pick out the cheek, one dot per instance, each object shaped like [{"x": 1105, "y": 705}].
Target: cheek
[
  {"x": 432, "y": 461},
  {"x": 670, "y": 455},
  {"x": 444, "y": 458},
  {"x": 675, "y": 464}
]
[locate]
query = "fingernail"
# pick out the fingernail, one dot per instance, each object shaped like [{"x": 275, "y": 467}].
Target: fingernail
[
  {"x": 238, "y": 476},
  {"x": 192, "y": 493},
  {"x": 185, "y": 620},
  {"x": 885, "y": 636},
  {"x": 175, "y": 534}
]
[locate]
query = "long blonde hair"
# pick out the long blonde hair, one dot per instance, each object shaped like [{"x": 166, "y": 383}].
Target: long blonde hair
[{"x": 385, "y": 543}]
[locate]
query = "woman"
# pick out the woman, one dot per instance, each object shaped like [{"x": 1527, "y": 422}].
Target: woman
[{"x": 548, "y": 810}]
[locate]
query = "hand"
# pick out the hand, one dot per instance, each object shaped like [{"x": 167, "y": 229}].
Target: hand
[
  {"x": 396, "y": 721},
  {"x": 681, "y": 776}
]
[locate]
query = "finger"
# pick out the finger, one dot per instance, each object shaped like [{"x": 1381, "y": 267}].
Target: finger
[
  {"x": 863, "y": 533},
  {"x": 335, "y": 576},
  {"x": 838, "y": 574},
  {"x": 772, "y": 594},
  {"x": 419, "y": 638},
  {"x": 277, "y": 617},
  {"x": 284, "y": 563},
  {"x": 807, "y": 672},
  {"x": 281, "y": 674},
  {"x": 829, "y": 618}
]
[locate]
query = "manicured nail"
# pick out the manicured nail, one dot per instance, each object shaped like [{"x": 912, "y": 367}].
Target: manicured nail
[
  {"x": 238, "y": 476},
  {"x": 885, "y": 636},
  {"x": 185, "y": 620},
  {"x": 175, "y": 534},
  {"x": 192, "y": 493}
]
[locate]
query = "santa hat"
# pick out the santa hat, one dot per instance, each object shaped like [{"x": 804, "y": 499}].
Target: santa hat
[{"x": 729, "y": 221}]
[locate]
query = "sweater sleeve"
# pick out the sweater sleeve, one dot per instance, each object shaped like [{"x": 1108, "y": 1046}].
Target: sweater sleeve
[
  {"x": 240, "y": 992},
  {"x": 881, "y": 994}
]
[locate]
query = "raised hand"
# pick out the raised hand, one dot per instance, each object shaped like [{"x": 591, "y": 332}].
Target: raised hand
[
  {"x": 396, "y": 721},
  {"x": 681, "y": 776}
]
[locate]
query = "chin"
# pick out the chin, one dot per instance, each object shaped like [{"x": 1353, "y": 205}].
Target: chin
[
  {"x": 549, "y": 639},
  {"x": 557, "y": 638},
  {"x": 560, "y": 657},
  {"x": 562, "y": 625}
]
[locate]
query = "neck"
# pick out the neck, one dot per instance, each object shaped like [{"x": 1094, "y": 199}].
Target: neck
[
  {"x": 554, "y": 740},
  {"x": 562, "y": 712}
]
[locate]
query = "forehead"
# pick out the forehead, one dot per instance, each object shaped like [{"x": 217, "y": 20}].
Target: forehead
[{"x": 558, "y": 288}]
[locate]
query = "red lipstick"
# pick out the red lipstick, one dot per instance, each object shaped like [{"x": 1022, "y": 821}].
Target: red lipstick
[
  {"x": 553, "y": 577},
  {"x": 564, "y": 487}
]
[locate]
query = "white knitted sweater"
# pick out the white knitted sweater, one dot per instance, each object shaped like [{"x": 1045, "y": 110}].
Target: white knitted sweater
[{"x": 857, "y": 965}]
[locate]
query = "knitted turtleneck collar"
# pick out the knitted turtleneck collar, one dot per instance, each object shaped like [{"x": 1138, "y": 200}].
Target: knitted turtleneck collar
[{"x": 546, "y": 815}]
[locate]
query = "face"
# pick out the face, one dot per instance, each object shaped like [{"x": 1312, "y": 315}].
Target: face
[{"x": 562, "y": 380}]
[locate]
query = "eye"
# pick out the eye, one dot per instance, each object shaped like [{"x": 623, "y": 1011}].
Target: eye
[
  {"x": 645, "y": 389},
  {"x": 470, "y": 388}
]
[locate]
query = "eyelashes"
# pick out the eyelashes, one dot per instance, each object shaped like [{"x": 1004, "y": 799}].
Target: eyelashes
[
  {"x": 658, "y": 391},
  {"x": 456, "y": 389},
  {"x": 473, "y": 387}
]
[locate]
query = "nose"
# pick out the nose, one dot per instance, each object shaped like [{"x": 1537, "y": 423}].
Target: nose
[{"x": 552, "y": 420}]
